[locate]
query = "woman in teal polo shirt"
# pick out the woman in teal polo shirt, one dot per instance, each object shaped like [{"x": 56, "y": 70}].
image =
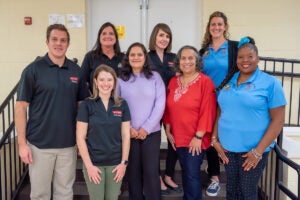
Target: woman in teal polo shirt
[
  {"x": 103, "y": 136},
  {"x": 251, "y": 116}
]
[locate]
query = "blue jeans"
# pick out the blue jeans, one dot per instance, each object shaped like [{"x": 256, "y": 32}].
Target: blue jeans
[{"x": 191, "y": 174}]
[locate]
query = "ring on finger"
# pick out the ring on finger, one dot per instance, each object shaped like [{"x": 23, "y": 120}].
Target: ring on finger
[{"x": 251, "y": 164}]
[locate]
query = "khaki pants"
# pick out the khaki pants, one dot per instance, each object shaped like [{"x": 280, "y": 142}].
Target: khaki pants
[{"x": 55, "y": 166}]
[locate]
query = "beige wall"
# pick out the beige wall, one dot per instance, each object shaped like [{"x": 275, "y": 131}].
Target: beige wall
[
  {"x": 274, "y": 24},
  {"x": 20, "y": 44}
]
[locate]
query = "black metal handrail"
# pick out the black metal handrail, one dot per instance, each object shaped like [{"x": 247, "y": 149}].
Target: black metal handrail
[
  {"x": 286, "y": 71},
  {"x": 272, "y": 59},
  {"x": 279, "y": 179},
  {"x": 11, "y": 168},
  {"x": 8, "y": 98}
]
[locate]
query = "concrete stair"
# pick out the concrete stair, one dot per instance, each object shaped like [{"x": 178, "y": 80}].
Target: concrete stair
[{"x": 80, "y": 189}]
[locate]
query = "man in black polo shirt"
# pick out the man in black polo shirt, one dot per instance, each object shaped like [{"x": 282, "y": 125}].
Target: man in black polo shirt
[{"x": 51, "y": 88}]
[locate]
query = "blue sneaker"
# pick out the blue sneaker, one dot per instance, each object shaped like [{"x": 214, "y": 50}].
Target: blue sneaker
[{"x": 213, "y": 188}]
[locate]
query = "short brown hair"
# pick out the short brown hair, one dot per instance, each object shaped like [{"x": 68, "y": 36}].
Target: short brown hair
[
  {"x": 164, "y": 28},
  {"x": 60, "y": 27}
]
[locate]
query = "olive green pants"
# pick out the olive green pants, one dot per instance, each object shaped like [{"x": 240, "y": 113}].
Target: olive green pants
[{"x": 108, "y": 189}]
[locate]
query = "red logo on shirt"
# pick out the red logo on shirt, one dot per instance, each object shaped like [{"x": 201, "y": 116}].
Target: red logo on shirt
[
  {"x": 117, "y": 113},
  {"x": 250, "y": 86},
  {"x": 74, "y": 79},
  {"x": 171, "y": 64}
]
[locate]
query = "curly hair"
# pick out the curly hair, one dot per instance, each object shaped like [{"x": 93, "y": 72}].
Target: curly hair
[
  {"x": 207, "y": 36},
  {"x": 196, "y": 54}
]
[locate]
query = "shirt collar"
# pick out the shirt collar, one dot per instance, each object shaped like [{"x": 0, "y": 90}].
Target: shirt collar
[
  {"x": 111, "y": 100},
  {"x": 250, "y": 80},
  {"x": 223, "y": 46},
  {"x": 51, "y": 64}
]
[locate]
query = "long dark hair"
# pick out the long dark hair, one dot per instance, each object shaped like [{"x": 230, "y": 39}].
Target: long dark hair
[
  {"x": 97, "y": 50},
  {"x": 251, "y": 44},
  {"x": 126, "y": 70},
  {"x": 227, "y": 78}
]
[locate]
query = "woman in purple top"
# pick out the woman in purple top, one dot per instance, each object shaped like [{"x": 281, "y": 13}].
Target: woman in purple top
[{"x": 145, "y": 93}]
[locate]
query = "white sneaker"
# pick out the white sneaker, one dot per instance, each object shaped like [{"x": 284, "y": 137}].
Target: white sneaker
[{"x": 213, "y": 188}]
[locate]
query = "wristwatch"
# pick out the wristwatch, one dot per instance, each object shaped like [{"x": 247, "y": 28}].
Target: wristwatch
[{"x": 124, "y": 162}]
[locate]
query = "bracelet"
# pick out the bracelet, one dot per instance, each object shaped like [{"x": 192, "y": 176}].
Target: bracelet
[
  {"x": 198, "y": 137},
  {"x": 213, "y": 142},
  {"x": 214, "y": 138},
  {"x": 257, "y": 155}
]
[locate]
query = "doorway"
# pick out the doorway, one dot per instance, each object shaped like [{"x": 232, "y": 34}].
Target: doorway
[{"x": 138, "y": 17}]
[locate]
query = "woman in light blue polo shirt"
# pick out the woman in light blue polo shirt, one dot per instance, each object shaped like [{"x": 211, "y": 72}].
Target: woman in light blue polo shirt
[
  {"x": 219, "y": 63},
  {"x": 251, "y": 116}
]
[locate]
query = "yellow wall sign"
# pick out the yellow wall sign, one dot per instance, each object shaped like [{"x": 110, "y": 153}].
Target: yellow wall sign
[{"x": 121, "y": 31}]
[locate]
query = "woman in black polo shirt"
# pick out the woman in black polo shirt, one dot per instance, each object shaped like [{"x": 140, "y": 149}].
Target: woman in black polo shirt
[
  {"x": 160, "y": 45},
  {"x": 103, "y": 136},
  {"x": 105, "y": 51}
]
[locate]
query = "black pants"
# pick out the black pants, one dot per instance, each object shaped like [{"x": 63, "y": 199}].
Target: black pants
[
  {"x": 143, "y": 168},
  {"x": 213, "y": 162},
  {"x": 170, "y": 161}
]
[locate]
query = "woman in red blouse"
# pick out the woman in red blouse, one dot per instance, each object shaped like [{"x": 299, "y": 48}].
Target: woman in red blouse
[{"x": 189, "y": 118}]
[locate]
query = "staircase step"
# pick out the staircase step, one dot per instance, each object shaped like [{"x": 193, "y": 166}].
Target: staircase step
[
  {"x": 81, "y": 193},
  {"x": 175, "y": 196}
]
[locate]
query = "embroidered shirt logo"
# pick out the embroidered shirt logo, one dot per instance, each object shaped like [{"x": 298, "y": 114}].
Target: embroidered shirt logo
[
  {"x": 117, "y": 113},
  {"x": 119, "y": 65},
  {"x": 74, "y": 79},
  {"x": 250, "y": 86},
  {"x": 171, "y": 64},
  {"x": 226, "y": 87}
]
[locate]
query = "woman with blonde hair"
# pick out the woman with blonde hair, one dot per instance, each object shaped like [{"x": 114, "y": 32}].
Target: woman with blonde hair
[{"x": 103, "y": 136}]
